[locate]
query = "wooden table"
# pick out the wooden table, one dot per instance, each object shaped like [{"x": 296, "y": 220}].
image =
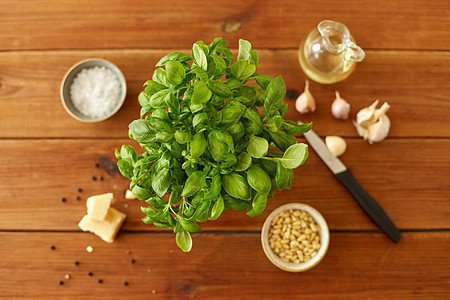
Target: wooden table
[{"x": 46, "y": 155}]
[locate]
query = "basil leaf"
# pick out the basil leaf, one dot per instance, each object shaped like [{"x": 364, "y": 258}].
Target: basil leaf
[
  {"x": 220, "y": 65},
  {"x": 276, "y": 90},
  {"x": 281, "y": 177},
  {"x": 128, "y": 153},
  {"x": 263, "y": 80},
  {"x": 183, "y": 137},
  {"x": 242, "y": 70},
  {"x": 258, "y": 205},
  {"x": 152, "y": 87},
  {"x": 174, "y": 56},
  {"x": 160, "y": 99},
  {"x": 236, "y": 186},
  {"x": 163, "y": 137},
  {"x": 269, "y": 166},
  {"x": 194, "y": 183},
  {"x": 125, "y": 168},
  {"x": 201, "y": 74},
  {"x": 294, "y": 156},
  {"x": 217, "y": 209},
  {"x": 255, "y": 126},
  {"x": 184, "y": 241},
  {"x": 282, "y": 139},
  {"x": 233, "y": 203},
  {"x": 175, "y": 72},
  {"x": 202, "y": 209},
  {"x": 230, "y": 115},
  {"x": 254, "y": 58},
  {"x": 220, "y": 144},
  {"x": 244, "y": 161},
  {"x": 244, "y": 50},
  {"x": 188, "y": 225},
  {"x": 292, "y": 127},
  {"x": 161, "y": 182},
  {"x": 258, "y": 179},
  {"x": 142, "y": 193},
  {"x": 215, "y": 188},
  {"x": 218, "y": 41},
  {"x": 142, "y": 131},
  {"x": 237, "y": 131},
  {"x": 198, "y": 145},
  {"x": 274, "y": 123},
  {"x": 160, "y": 113},
  {"x": 199, "y": 57},
  {"x": 159, "y": 76},
  {"x": 201, "y": 93},
  {"x": 257, "y": 146},
  {"x": 220, "y": 89},
  {"x": 233, "y": 84},
  {"x": 282, "y": 110}
]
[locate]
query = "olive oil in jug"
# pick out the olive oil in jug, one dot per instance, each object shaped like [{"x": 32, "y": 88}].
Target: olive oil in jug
[{"x": 329, "y": 54}]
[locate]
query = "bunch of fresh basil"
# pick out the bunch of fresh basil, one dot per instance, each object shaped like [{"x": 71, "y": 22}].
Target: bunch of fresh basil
[{"x": 207, "y": 145}]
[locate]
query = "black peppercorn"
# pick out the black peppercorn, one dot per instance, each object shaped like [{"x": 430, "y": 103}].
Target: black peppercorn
[
  {"x": 125, "y": 283},
  {"x": 60, "y": 282},
  {"x": 100, "y": 281},
  {"x": 63, "y": 199},
  {"x": 76, "y": 263},
  {"x": 52, "y": 247},
  {"x": 90, "y": 274}
]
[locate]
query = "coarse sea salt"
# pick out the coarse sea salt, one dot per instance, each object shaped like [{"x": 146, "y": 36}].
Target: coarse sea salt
[{"x": 95, "y": 92}]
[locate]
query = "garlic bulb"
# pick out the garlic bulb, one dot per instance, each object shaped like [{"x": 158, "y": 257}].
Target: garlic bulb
[
  {"x": 373, "y": 124},
  {"x": 305, "y": 103},
  {"x": 336, "y": 145},
  {"x": 340, "y": 109}
]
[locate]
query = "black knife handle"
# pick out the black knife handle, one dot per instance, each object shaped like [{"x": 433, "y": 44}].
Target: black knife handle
[{"x": 370, "y": 206}]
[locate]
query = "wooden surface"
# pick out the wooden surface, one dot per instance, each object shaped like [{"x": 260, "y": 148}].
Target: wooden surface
[{"x": 46, "y": 155}]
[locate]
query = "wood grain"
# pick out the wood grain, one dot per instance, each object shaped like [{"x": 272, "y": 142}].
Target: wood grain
[
  {"x": 417, "y": 24},
  {"x": 408, "y": 177},
  {"x": 415, "y": 83},
  {"x": 220, "y": 266}
]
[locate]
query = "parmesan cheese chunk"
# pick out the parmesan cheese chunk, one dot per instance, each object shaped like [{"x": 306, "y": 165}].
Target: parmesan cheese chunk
[
  {"x": 105, "y": 229},
  {"x": 97, "y": 206},
  {"x": 129, "y": 195}
]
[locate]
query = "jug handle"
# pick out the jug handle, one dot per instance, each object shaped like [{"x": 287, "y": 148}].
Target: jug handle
[{"x": 353, "y": 52}]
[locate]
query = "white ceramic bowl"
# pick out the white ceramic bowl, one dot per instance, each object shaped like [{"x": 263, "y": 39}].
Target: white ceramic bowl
[
  {"x": 70, "y": 76},
  {"x": 324, "y": 234}
]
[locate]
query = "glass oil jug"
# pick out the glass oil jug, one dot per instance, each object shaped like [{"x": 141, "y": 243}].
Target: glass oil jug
[{"x": 329, "y": 54}]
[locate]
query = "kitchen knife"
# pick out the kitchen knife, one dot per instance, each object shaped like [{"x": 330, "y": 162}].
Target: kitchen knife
[{"x": 343, "y": 174}]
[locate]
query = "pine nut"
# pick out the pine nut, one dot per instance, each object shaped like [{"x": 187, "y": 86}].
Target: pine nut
[{"x": 293, "y": 236}]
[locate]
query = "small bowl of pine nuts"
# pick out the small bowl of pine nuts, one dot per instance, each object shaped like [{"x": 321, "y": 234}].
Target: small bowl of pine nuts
[{"x": 295, "y": 237}]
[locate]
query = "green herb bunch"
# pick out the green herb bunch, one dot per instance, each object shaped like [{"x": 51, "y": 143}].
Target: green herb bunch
[{"x": 207, "y": 146}]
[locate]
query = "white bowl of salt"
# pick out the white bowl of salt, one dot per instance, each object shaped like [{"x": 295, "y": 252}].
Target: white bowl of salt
[{"x": 93, "y": 90}]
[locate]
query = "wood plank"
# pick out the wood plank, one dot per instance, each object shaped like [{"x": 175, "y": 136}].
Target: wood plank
[
  {"x": 408, "y": 177},
  {"x": 220, "y": 266},
  {"x": 414, "y": 83},
  {"x": 417, "y": 24}
]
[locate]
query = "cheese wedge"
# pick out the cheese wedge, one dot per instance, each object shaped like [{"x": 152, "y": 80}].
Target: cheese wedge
[
  {"x": 105, "y": 229},
  {"x": 97, "y": 206},
  {"x": 129, "y": 195}
]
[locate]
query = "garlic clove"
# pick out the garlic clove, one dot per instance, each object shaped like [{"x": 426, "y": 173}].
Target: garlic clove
[
  {"x": 340, "y": 108},
  {"x": 305, "y": 103},
  {"x": 373, "y": 124},
  {"x": 364, "y": 116},
  {"x": 380, "y": 130},
  {"x": 336, "y": 145}
]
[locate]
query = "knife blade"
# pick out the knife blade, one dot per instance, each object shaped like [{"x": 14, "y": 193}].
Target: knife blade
[{"x": 343, "y": 174}]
